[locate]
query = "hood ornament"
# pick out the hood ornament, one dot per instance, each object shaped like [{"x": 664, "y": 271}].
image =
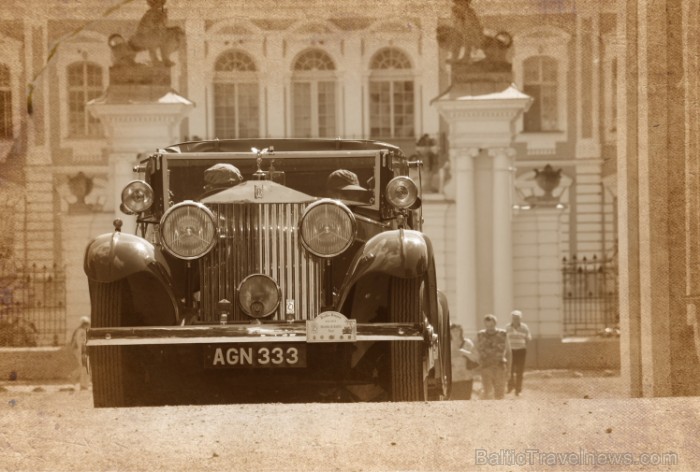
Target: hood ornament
[{"x": 261, "y": 174}]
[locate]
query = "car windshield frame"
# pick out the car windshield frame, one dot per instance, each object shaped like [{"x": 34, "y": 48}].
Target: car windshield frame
[{"x": 172, "y": 160}]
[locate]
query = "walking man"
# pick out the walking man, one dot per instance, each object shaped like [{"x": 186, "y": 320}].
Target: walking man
[
  {"x": 518, "y": 335},
  {"x": 77, "y": 345},
  {"x": 494, "y": 357}
]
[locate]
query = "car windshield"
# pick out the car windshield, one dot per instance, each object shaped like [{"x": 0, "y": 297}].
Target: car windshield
[{"x": 347, "y": 175}]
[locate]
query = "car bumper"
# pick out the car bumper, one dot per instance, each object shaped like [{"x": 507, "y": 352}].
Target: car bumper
[{"x": 247, "y": 333}]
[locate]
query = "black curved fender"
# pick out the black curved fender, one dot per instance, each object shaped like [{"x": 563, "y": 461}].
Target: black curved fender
[
  {"x": 399, "y": 253},
  {"x": 115, "y": 256}
]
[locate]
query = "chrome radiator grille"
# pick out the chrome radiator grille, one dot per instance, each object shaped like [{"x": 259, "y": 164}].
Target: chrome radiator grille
[{"x": 260, "y": 239}]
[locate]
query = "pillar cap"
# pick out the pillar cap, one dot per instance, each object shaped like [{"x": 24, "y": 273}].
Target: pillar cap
[{"x": 463, "y": 93}]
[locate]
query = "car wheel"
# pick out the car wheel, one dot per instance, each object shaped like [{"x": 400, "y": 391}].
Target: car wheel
[
  {"x": 441, "y": 385},
  {"x": 109, "y": 364},
  {"x": 407, "y": 370}
]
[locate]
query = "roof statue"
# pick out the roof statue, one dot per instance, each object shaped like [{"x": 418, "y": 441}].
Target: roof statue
[
  {"x": 152, "y": 35},
  {"x": 468, "y": 42}
]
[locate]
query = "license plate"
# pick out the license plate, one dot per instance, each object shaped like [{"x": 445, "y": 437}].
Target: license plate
[{"x": 268, "y": 355}]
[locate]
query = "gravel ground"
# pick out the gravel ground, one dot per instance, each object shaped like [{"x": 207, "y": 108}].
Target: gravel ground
[{"x": 59, "y": 430}]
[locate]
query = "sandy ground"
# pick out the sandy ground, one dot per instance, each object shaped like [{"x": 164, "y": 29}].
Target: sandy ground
[{"x": 59, "y": 430}]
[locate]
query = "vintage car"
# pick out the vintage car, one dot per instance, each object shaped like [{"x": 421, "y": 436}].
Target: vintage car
[{"x": 268, "y": 265}]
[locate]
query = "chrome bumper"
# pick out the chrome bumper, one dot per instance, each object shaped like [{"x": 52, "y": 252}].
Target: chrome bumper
[{"x": 244, "y": 333}]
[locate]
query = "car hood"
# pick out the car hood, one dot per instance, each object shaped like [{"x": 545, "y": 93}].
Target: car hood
[{"x": 259, "y": 191}]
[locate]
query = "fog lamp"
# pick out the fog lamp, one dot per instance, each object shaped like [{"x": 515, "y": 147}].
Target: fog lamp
[
  {"x": 137, "y": 196},
  {"x": 259, "y": 296},
  {"x": 402, "y": 192}
]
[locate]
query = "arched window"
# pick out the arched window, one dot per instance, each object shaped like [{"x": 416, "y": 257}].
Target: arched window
[
  {"x": 236, "y": 96},
  {"x": 540, "y": 82},
  {"x": 84, "y": 84},
  {"x": 5, "y": 103},
  {"x": 391, "y": 95},
  {"x": 313, "y": 95}
]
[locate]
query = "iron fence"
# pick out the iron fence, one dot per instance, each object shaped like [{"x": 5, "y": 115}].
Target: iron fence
[
  {"x": 32, "y": 305},
  {"x": 591, "y": 305}
]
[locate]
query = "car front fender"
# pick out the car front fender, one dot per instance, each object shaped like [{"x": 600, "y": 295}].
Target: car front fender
[
  {"x": 115, "y": 256},
  {"x": 398, "y": 253}
]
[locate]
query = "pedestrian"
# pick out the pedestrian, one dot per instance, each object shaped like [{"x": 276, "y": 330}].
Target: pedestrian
[
  {"x": 518, "y": 336},
  {"x": 494, "y": 353},
  {"x": 79, "y": 350},
  {"x": 464, "y": 362}
]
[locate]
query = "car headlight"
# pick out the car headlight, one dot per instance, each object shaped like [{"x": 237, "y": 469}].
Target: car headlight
[
  {"x": 259, "y": 296},
  {"x": 401, "y": 192},
  {"x": 327, "y": 228},
  {"x": 188, "y": 230},
  {"x": 137, "y": 196}
]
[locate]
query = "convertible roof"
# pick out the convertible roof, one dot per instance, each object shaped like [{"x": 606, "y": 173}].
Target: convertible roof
[{"x": 280, "y": 145}]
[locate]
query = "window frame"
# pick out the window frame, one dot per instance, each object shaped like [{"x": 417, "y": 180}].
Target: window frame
[
  {"x": 92, "y": 47},
  {"x": 235, "y": 78},
  {"x": 85, "y": 88},
  {"x": 314, "y": 78},
  {"x": 393, "y": 76},
  {"x": 9, "y": 104},
  {"x": 541, "y": 83},
  {"x": 555, "y": 43},
  {"x": 10, "y": 56}
]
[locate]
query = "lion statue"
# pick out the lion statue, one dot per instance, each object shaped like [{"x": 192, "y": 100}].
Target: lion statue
[
  {"x": 466, "y": 39},
  {"x": 153, "y": 35}
]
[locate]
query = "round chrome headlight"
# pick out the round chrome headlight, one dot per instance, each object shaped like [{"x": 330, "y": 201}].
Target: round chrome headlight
[
  {"x": 188, "y": 230},
  {"x": 401, "y": 192},
  {"x": 327, "y": 228},
  {"x": 259, "y": 296},
  {"x": 137, "y": 196}
]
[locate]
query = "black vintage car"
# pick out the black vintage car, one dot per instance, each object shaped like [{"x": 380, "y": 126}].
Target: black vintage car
[{"x": 268, "y": 267}]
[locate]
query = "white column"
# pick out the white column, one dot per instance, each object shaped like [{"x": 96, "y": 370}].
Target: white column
[
  {"x": 465, "y": 310},
  {"x": 502, "y": 232},
  {"x": 430, "y": 76},
  {"x": 275, "y": 77},
  {"x": 352, "y": 100},
  {"x": 195, "y": 31},
  {"x": 121, "y": 167}
]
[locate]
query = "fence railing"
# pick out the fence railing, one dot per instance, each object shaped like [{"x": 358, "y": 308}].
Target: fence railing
[
  {"x": 590, "y": 298},
  {"x": 32, "y": 305}
]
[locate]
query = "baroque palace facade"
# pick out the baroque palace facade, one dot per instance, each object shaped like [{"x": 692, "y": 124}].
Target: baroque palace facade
[{"x": 311, "y": 68}]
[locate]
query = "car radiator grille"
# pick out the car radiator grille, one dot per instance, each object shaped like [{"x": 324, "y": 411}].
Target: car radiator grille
[{"x": 260, "y": 239}]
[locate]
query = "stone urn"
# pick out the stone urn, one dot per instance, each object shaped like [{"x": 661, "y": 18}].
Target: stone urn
[
  {"x": 80, "y": 186},
  {"x": 548, "y": 179}
]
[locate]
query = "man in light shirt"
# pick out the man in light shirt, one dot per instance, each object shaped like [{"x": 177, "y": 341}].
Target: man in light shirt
[{"x": 518, "y": 335}]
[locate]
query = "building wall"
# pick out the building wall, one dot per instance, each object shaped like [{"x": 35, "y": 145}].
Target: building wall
[
  {"x": 580, "y": 39},
  {"x": 658, "y": 189}
]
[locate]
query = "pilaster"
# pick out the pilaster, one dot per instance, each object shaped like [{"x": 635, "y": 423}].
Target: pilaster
[
  {"x": 465, "y": 310},
  {"x": 502, "y": 191}
]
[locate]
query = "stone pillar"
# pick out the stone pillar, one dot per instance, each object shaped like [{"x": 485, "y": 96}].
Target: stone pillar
[
  {"x": 658, "y": 357},
  {"x": 537, "y": 270},
  {"x": 137, "y": 119},
  {"x": 465, "y": 308},
  {"x": 502, "y": 232},
  {"x": 482, "y": 122}
]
